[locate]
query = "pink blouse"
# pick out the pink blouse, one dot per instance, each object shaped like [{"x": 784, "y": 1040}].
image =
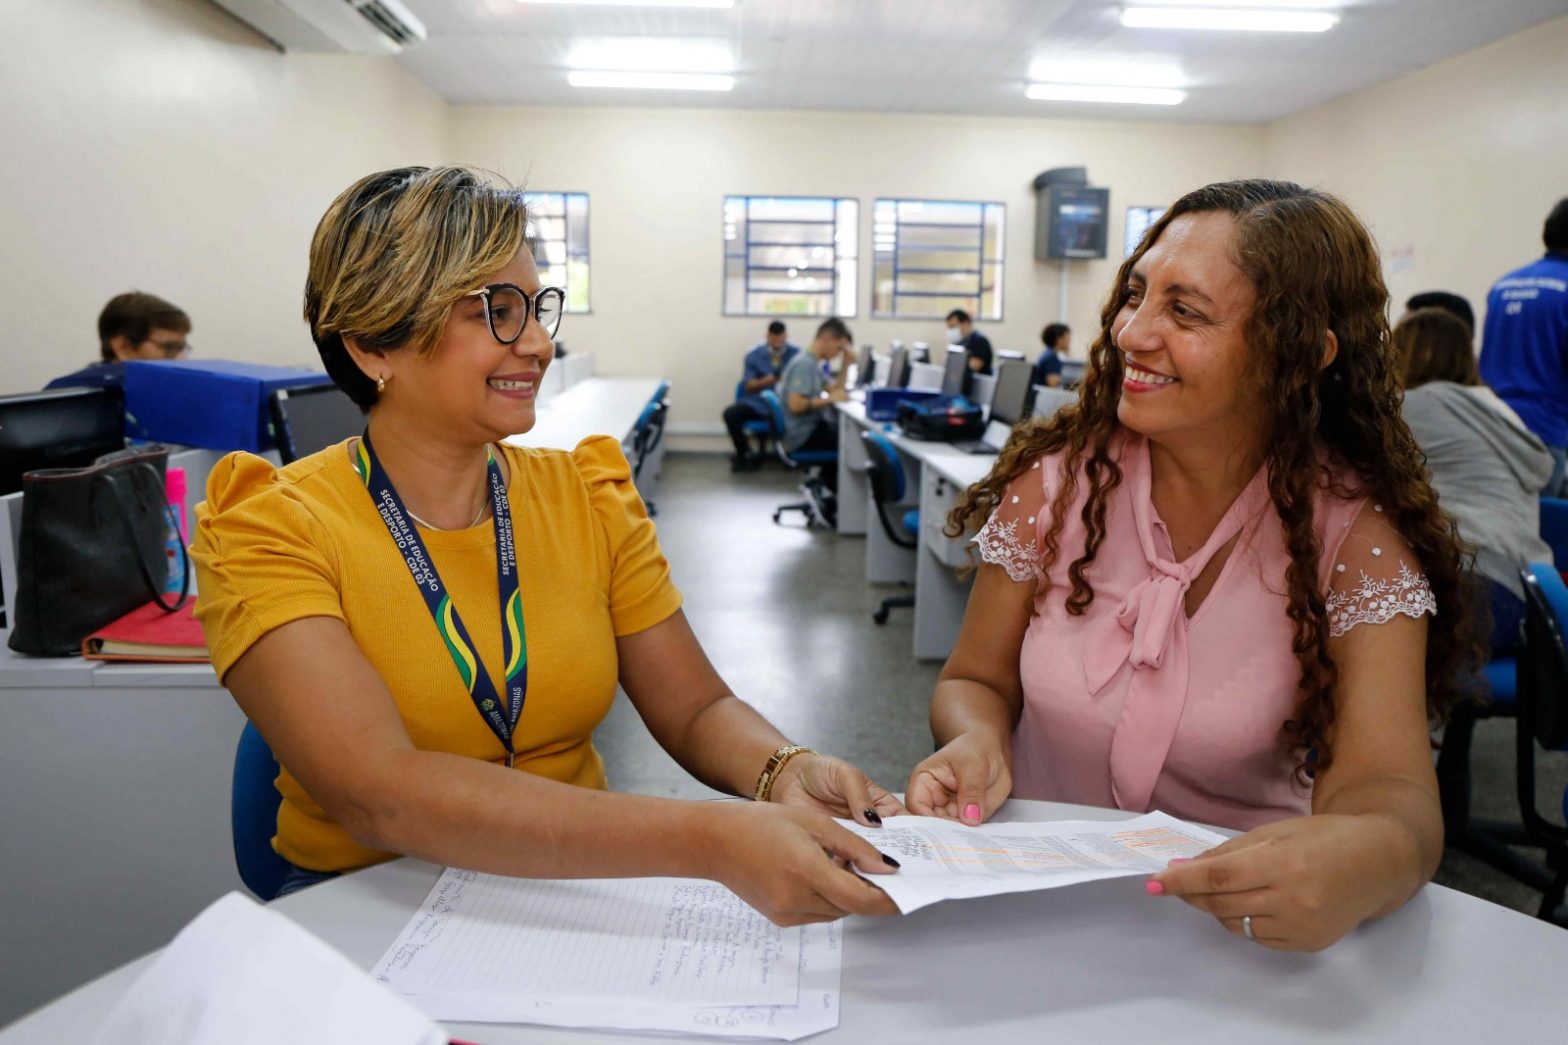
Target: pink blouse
[{"x": 1134, "y": 705}]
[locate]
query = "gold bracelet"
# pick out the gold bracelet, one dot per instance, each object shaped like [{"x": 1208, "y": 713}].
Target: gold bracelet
[{"x": 775, "y": 766}]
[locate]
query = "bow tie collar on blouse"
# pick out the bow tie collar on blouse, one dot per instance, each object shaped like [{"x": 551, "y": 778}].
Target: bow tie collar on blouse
[{"x": 1149, "y": 632}]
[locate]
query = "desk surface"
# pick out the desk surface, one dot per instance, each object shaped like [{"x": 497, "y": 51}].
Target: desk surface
[
  {"x": 955, "y": 465},
  {"x": 1100, "y": 962},
  {"x": 597, "y": 406}
]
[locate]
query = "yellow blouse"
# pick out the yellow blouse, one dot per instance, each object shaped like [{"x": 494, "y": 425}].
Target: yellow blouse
[{"x": 277, "y": 545}]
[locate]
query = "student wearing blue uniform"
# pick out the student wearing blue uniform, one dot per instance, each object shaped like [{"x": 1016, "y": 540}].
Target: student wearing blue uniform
[
  {"x": 763, "y": 367},
  {"x": 1057, "y": 338},
  {"x": 131, "y": 326},
  {"x": 977, "y": 347},
  {"x": 1524, "y": 354}
]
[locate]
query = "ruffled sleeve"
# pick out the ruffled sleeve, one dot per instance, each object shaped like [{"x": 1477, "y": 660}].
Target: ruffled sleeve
[
  {"x": 1374, "y": 576},
  {"x": 262, "y": 559},
  {"x": 641, "y": 592},
  {"x": 1011, "y": 537}
]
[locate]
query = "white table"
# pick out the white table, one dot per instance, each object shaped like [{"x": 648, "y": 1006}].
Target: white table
[
  {"x": 114, "y": 814},
  {"x": 596, "y": 406},
  {"x": 1101, "y": 962}
]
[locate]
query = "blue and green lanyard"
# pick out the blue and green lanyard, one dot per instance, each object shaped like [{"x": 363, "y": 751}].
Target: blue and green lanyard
[{"x": 500, "y": 716}]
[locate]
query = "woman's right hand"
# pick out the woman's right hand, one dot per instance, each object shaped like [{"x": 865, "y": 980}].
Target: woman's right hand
[
  {"x": 793, "y": 865},
  {"x": 967, "y": 780}
]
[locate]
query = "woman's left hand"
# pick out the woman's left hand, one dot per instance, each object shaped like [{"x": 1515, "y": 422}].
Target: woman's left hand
[
  {"x": 833, "y": 786},
  {"x": 1305, "y": 882}
]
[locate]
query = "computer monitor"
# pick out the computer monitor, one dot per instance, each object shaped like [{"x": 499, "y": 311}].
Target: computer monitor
[
  {"x": 311, "y": 418},
  {"x": 920, "y": 352},
  {"x": 955, "y": 372},
  {"x": 864, "y": 367},
  {"x": 898, "y": 368},
  {"x": 1011, "y": 399},
  {"x": 62, "y": 428}
]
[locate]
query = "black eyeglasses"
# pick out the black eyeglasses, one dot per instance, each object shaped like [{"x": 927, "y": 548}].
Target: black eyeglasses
[{"x": 507, "y": 306}]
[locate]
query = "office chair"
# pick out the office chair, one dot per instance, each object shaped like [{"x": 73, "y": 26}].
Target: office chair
[
  {"x": 818, "y": 507},
  {"x": 761, "y": 431},
  {"x": 647, "y": 435},
  {"x": 253, "y": 815},
  {"x": 885, "y": 472},
  {"x": 1542, "y": 717}
]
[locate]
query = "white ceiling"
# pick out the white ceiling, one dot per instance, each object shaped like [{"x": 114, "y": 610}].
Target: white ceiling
[{"x": 951, "y": 56}]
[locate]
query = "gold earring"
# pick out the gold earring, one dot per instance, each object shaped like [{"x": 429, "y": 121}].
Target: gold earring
[{"x": 381, "y": 385}]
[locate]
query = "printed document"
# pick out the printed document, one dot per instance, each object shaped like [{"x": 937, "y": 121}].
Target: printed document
[
  {"x": 946, "y": 860},
  {"x": 656, "y": 954}
]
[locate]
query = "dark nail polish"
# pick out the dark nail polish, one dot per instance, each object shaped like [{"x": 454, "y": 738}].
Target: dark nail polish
[
  {"x": 890, "y": 861},
  {"x": 873, "y": 816}
]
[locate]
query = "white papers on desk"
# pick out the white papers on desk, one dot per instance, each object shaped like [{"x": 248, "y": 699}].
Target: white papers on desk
[
  {"x": 946, "y": 860},
  {"x": 243, "y": 975},
  {"x": 658, "y": 954}
]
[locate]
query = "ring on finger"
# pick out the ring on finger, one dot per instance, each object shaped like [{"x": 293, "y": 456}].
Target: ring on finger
[{"x": 1246, "y": 927}]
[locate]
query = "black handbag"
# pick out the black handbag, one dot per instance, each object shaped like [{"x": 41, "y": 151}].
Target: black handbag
[{"x": 91, "y": 549}]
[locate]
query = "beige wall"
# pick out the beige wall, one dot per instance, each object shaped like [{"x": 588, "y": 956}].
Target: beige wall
[
  {"x": 163, "y": 146},
  {"x": 1454, "y": 167},
  {"x": 657, "y": 177}
]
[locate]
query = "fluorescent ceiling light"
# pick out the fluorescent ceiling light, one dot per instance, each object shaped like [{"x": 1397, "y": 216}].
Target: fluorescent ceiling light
[
  {"x": 1079, "y": 92},
  {"x": 1288, "y": 5},
  {"x": 636, "y": 3},
  {"x": 652, "y": 81},
  {"x": 1234, "y": 18},
  {"x": 652, "y": 54},
  {"x": 1122, "y": 73}
]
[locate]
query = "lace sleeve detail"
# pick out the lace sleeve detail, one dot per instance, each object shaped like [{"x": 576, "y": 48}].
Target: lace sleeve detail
[
  {"x": 1377, "y": 601},
  {"x": 999, "y": 544},
  {"x": 1372, "y": 579},
  {"x": 1009, "y": 538}
]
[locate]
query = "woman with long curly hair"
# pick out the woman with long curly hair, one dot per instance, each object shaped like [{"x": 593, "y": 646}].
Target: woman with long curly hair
[{"x": 1220, "y": 585}]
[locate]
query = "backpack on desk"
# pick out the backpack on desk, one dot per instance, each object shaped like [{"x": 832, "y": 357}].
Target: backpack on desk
[{"x": 91, "y": 549}]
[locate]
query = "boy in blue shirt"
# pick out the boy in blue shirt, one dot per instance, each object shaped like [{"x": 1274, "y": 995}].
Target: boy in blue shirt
[
  {"x": 1057, "y": 338},
  {"x": 1524, "y": 354},
  {"x": 763, "y": 367}
]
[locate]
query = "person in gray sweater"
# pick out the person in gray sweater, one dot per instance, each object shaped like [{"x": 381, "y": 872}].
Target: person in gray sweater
[{"x": 1488, "y": 469}]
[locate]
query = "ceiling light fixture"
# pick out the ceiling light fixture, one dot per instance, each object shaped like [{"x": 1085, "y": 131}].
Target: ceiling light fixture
[
  {"x": 1229, "y": 18},
  {"x": 651, "y": 81},
  {"x": 636, "y": 3},
  {"x": 1123, "y": 72},
  {"x": 651, "y": 54},
  {"x": 1082, "y": 92}
]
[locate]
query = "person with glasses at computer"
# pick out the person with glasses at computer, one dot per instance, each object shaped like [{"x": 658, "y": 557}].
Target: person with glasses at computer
[
  {"x": 1221, "y": 585},
  {"x": 132, "y": 326},
  {"x": 427, "y": 624}
]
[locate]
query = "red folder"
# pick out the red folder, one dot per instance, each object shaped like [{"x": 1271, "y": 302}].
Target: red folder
[{"x": 148, "y": 633}]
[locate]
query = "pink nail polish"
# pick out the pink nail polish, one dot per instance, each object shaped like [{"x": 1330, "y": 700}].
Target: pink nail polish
[
  {"x": 1153, "y": 888},
  {"x": 971, "y": 812}
]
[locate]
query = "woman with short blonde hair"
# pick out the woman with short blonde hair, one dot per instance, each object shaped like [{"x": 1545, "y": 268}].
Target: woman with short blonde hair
[{"x": 426, "y": 624}]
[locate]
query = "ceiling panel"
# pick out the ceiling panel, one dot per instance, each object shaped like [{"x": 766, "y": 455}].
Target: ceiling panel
[{"x": 950, "y": 56}]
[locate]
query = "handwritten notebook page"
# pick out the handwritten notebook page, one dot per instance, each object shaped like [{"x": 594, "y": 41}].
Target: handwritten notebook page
[{"x": 673, "y": 940}]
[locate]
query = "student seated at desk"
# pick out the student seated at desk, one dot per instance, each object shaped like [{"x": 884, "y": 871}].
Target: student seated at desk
[
  {"x": 762, "y": 370},
  {"x": 427, "y": 624},
  {"x": 132, "y": 326},
  {"x": 1488, "y": 469},
  {"x": 1210, "y": 587},
  {"x": 977, "y": 347},
  {"x": 1058, "y": 340},
  {"x": 809, "y": 391}
]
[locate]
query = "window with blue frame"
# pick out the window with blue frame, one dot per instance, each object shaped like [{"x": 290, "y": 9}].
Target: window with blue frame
[
  {"x": 558, "y": 229},
  {"x": 790, "y": 255},
  {"x": 932, "y": 256}
]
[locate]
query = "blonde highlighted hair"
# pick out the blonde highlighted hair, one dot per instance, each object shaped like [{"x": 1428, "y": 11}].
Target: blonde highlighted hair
[{"x": 392, "y": 255}]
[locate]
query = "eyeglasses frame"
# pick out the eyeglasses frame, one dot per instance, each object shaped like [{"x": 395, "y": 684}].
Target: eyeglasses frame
[{"x": 530, "y": 308}]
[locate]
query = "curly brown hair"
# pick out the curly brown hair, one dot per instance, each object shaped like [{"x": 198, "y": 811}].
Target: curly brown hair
[{"x": 1314, "y": 268}]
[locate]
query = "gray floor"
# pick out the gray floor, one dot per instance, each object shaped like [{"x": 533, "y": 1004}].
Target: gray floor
[{"x": 785, "y": 614}]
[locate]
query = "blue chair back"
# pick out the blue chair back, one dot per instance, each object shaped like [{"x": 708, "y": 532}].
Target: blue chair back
[
  {"x": 775, "y": 411},
  {"x": 885, "y": 468},
  {"x": 253, "y": 813},
  {"x": 1543, "y": 663},
  {"x": 1554, "y": 528},
  {"x": 740, "y": 390}
]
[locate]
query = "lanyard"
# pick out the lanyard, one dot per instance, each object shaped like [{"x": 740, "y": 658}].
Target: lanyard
[{"x": 502, "y": 720}]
